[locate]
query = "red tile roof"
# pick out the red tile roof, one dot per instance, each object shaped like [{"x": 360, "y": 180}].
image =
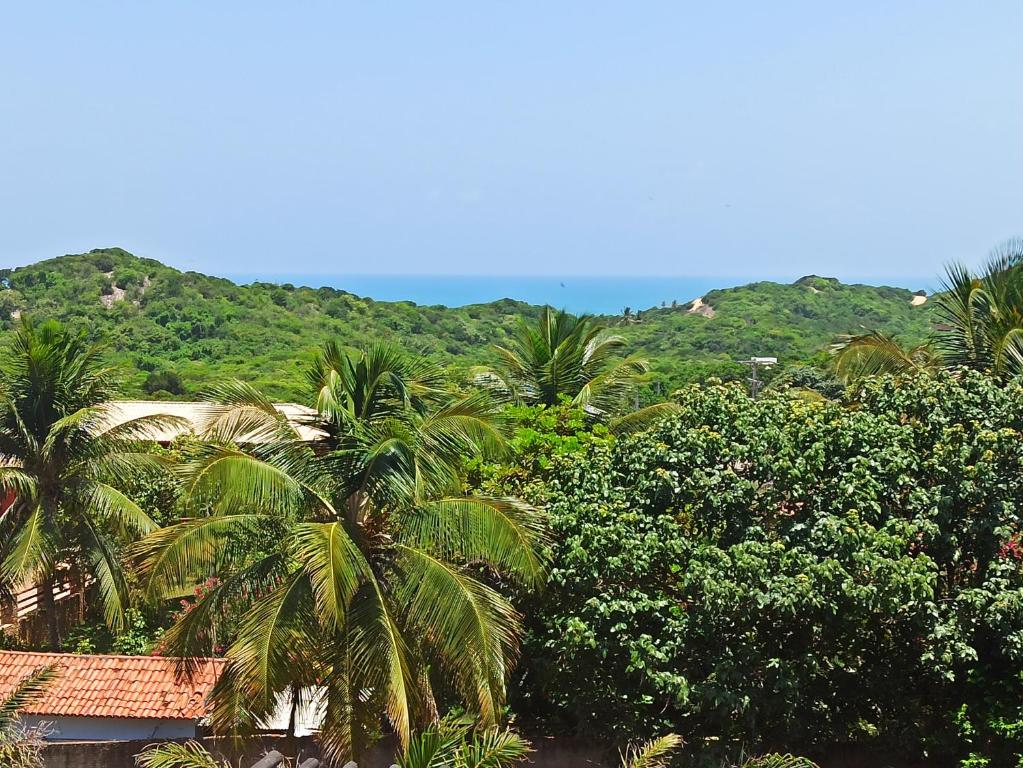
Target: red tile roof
[{"x": 113, "y": 686}]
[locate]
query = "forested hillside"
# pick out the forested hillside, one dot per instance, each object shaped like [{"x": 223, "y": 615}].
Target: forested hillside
[{"x": 176, "y": 331}]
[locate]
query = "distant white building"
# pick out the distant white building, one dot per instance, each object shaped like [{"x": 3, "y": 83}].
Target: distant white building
[{"x": 198, "y": 416}]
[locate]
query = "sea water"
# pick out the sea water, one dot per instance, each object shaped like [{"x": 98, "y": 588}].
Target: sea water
[{"x": 595, "y": 295}]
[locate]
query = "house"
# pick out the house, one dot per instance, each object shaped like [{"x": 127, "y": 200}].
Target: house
[
  {"x": 198, "y": 416},
  {"x": 113, "y": 698}
]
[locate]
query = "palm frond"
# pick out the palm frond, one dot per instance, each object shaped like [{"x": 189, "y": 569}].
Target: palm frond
[
  {"x": 182, "y": 554},
  {"x": 379, "y": 652},
  {"x": 32, "y": 550},
  {"x": 433, "y": 748},
  {"x": 493, "y": 748},
  {"x": 775, "y": 760},
  {"x": 873, "y": 354},
  {"x": 106, "y": 567},
  {"x": 141, "y": 429},
  {"x": 29, "y": 690},
  {"x": 506, "y": 534},
  {"x": 467, "y": 425},
  {"x": 563, "y": 356},
  {"x": 114, "y": 508},
  {"x": 644, "y": 418},
  {"x": 268, "y": 650},
  {"x": 170, "y": 754},
  {"x": 240, "y": 480},
  {"x": 474, "y": 629},
  {"x": 656, "y": 753},
  {"x": 24, "y": 485},
  {"x": 195, "y": 633},
  {"x": 334, "y": 564}
]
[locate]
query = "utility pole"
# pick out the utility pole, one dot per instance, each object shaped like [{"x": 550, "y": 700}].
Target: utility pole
[{"x": 754, "y": 363}]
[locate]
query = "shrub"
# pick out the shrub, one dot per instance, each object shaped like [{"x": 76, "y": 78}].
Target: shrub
[
  {"x": 790, "y": 573},
  {"x": 166, "y": 381}
]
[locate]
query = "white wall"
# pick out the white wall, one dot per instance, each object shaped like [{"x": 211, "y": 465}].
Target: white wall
[
  {"x": 309, "y": 714},
  {"x": 111, "y": 728}
]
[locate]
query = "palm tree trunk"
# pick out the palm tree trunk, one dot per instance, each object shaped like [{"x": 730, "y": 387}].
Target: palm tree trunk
[
  {"x": 48, "y": 611},
  {"x": 356, "y": 507},
  {"x": 293, "y": 692}
]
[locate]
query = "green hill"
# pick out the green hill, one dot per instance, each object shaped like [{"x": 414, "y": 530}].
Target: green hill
[{"x": 177, "y": 331}]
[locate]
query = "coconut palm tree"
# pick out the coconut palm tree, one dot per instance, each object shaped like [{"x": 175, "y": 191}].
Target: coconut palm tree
[
  {"x": 980, "y": 326},
  {"x": 373, "y": 578},
  {"x": 982, "y": 315},
  {"x": 562, "y": 356},
  {"x": 65, "y": 464}
]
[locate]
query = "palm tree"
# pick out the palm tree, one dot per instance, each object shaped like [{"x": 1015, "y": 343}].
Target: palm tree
[
  {"x": 371, "y": 582},
  {"x": 981, "y": 326},
  {"x": 561, "y": 356},
  {"x": 65, "y": 463},
  {"x": 983, "y": 315}
]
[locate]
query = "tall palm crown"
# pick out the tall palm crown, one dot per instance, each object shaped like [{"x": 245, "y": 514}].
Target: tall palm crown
[
  {"x": 562, "y": 355},
  {"x": 981, "y": 326},
  {"x": 368, "y": 582},
  {"x": 983, "y": 314},
  {"x": 65, "y": 467}
]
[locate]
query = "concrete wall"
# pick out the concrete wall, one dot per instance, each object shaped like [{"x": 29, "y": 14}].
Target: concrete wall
[
  {"x": 111, "y": 728},
  {"x": 121, "y": 754},
  {"x": 550, "y": 753}
]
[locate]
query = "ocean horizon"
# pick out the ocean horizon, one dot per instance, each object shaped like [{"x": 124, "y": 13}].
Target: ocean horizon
[{"x": 604, "y": 295}]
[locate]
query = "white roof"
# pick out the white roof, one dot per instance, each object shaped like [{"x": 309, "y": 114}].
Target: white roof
[{"x": 197, "y": 414}]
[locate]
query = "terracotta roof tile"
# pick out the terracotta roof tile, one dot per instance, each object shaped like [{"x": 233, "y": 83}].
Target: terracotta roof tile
[{"x": 113, "y": 686}]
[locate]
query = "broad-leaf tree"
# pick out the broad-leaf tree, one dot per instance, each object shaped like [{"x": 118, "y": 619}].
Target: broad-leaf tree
[
  {"x": 561, "y": 356},
  {"x": 374, "y": 579},
  {"x": 65, "y": 460}
]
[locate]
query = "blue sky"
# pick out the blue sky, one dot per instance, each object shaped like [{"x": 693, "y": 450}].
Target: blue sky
[{"x": 862, "y": 140}]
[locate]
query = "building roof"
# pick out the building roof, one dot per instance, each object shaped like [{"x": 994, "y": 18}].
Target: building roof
[
  {"x": 198, "y": 414},
  {"x": 113, "y": 686}
]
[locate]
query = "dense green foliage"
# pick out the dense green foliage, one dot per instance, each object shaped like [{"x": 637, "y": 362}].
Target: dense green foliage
[
  {"x": 819, "y": 567},
  {"x": 179, "y": 332},
  {"x": 788, "y": 573},
  {"x": 795, "y": 323}
]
